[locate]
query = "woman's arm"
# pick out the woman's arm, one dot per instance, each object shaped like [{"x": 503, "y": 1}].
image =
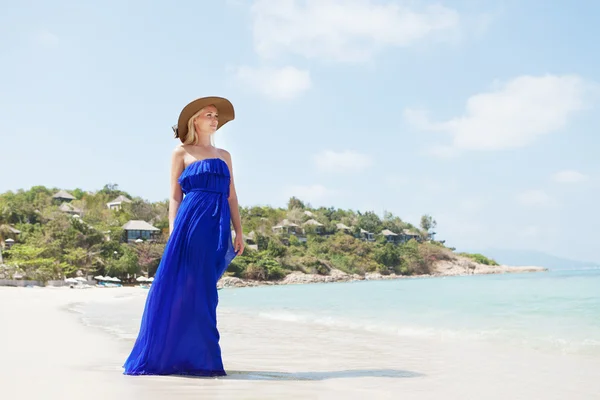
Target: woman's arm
[
  {"x": 233, "y": 200},
  {"x": 177, "y": 165}
]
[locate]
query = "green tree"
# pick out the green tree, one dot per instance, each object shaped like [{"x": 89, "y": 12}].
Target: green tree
[
  {"x": 295, "y": 202},
  {"x": 388, "y": 255},
  {"x": 276, "y": 248},
  {"x": 127, "y": 263},
  {"x": 370, "y": 222},
  {"x": 35, "y": 263},
  {"x": 427, "y": 224}
]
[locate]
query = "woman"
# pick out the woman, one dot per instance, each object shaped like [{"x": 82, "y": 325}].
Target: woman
[{"x": 178, "y": 333}]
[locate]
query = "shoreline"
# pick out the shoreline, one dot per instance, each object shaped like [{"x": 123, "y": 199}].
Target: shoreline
[
  {"x": 460, "y": 266},
  {"x": 268, "y": 359}
]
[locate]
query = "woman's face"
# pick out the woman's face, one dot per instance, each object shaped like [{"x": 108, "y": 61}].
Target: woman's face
[{"x": 208, "y": 120}]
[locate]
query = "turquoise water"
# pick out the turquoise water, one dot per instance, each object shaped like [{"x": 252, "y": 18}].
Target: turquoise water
[{"x": 556, "y": 311}]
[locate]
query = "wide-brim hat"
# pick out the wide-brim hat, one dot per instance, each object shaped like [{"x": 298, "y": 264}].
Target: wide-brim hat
[{"x": 224, "y": 107}]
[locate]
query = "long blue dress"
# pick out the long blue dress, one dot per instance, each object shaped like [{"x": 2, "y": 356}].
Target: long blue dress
[{"x": 178, "y": 333}]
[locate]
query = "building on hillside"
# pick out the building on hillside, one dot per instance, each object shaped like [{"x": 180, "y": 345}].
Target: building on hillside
[
  {"x": 315, "y": 225},
  {"x": 344, "y": 228},
  {"x": 117, "y": 202},
  {"x": 13, "y": 233},
  {"x": 288, "y": 227},
  {"x": 63, "y": 196},
  {"x": 138, "y": 229},
  {"x": 70, "y": 209},
  {"x": 368, "y": 236},
  {"x": 390, "y": 236},
  {"x": 407, "y": 235}
]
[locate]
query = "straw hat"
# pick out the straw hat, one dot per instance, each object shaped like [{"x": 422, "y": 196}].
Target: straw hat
[{"x": 224, "y": 107}]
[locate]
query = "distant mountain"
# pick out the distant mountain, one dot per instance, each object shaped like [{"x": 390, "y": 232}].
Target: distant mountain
[{"x": 535, "y": 258}]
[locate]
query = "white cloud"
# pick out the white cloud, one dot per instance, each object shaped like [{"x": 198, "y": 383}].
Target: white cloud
[
  {"x": 513, "y": 115},
  {"x": 345, "y": 161},
  {"x": 570, "y": 176},
  {"x": 276, "y": 83},
  {"x": 343, "y": 30},
  {"x": 534, "y": 197},
  {"x": 308, "y": 193},
  {"x": 46, "y": 39}
]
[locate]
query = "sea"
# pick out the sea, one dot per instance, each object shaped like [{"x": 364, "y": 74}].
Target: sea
[{"x": 557, "y": 311}]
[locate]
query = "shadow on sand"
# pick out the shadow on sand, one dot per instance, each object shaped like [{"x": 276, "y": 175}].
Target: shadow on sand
[{"x": 317, "y": 375}]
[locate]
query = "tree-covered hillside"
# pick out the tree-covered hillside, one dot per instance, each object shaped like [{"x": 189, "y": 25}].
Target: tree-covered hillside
[{"x": 48, "y": 233}]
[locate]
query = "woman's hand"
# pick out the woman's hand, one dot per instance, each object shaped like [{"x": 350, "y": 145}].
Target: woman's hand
[{"x": 238, "y": 244}]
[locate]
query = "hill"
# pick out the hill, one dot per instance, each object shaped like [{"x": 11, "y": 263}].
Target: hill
[{"x": 49, "y": 233}]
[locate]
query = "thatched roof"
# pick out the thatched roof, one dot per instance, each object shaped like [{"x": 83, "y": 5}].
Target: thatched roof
[
  {"x": 285, "y": 222},
  {"x": 139, "y": 225},
  {"x": 120, "y": 199},
  {"x": 61, "y": 194},
  {"x": 387, "y": 232},
  {"x": 363, "y": 231},
  {"x": 67, "y": 207},
  {"x": 14, "y": 230},
  {"x": 409, "y": 233},
  {"x": 313, "y": 222},
  {"x": 343, "y": 227}
]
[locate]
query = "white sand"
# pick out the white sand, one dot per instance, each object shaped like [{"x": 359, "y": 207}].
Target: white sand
[{"x": 48, "y": 354}]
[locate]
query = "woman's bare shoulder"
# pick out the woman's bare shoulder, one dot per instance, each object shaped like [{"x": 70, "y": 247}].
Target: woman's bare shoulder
[
  {"x": 178, "y": 157},
  {"x": 179, "y": 151},
  {"x": 225, "y": 154}
]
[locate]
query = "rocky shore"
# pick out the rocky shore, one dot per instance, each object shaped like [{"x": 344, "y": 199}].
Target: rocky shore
[{"x": 456, "y": 267}]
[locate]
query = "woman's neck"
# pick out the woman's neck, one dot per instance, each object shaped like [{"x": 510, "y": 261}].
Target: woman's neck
[{"x": 203, "y": 141}]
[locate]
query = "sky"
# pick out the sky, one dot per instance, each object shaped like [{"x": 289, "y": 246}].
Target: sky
[{"x": 481, "y": 113}]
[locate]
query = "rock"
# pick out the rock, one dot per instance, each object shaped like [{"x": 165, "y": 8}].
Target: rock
[
  {"x": 466, "y": 266},
  {"x": 232, "y": 281},
  {"x": 373, "y": 276},
  {"x": 457, "y": 266}
]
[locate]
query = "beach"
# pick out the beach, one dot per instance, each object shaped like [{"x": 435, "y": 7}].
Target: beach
[{"x": 49, "y": 353}]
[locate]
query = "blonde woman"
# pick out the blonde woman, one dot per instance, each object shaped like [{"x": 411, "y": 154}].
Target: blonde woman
[{"x": 178, "y": 333}]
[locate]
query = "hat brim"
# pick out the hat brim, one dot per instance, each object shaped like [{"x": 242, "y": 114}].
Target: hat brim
[{"x": 224, "y": 107}]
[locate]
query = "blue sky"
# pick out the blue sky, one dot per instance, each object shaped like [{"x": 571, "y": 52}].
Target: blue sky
[{"x": 483, "y": 114}]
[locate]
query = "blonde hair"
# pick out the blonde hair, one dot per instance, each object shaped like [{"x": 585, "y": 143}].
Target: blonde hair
[{"x": 192, "y": 136}]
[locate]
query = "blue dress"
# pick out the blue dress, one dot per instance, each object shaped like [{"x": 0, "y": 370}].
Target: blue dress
[{"x": 178, "y": 333}]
